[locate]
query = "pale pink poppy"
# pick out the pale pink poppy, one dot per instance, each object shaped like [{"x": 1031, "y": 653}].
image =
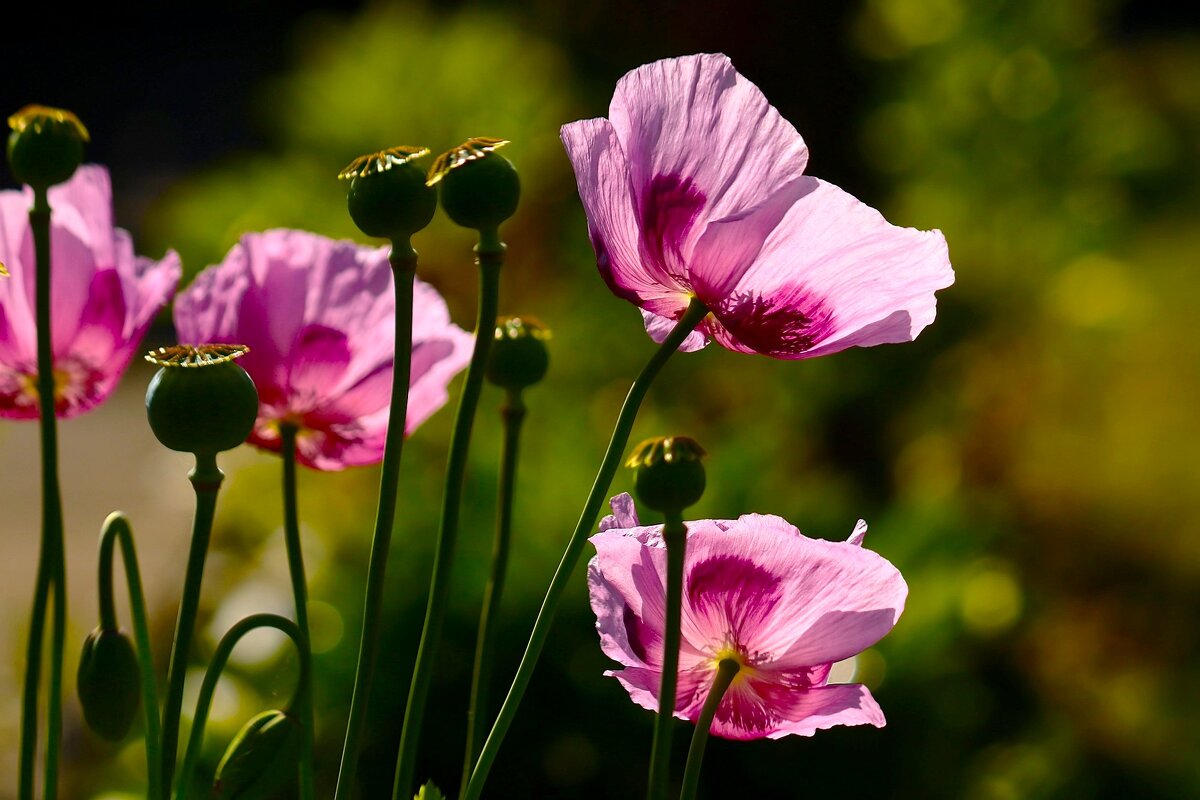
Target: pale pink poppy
[
  {"x": 694, "y": 187},
  {"x": 319, "y": 318},
  {"x": 755, "y": 589},
  {"x": 103, "y": 297}
]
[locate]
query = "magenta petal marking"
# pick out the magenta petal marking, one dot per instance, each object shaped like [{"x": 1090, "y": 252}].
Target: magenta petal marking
[
  {"x": 756, "y": 589},
  {"x": 694, "y": 186},
  {"x": 319, "y": 317},
  {"x": 784, "y": 324},
  {"x": 104, "y": 297}
]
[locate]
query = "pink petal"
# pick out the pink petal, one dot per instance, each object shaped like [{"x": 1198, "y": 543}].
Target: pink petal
[
  {"x": 835, "y": 274},
  {"x": 624, "y": 513},
  {"x": 859, "y": 534},
  {"x": 319, "y": 357},
  {"x": 603, "y": 178},
  {"x": 793, "y": 601},
  {"x": 627, "y": 590},
  {"x": 660, "y": 328},
  {"x": 754, "y": 710},
  {"x": 702, "y": 144}
]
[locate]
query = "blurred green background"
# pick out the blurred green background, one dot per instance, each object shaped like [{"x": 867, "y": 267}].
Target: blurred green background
[{"x": 1028, "y": 463}]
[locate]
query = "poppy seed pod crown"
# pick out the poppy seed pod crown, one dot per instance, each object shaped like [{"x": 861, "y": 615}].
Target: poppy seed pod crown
[
  {"x": 200, "y": 401},
  {"x": 669, "y": 475},
  {"x": 45, "y": 146},
  {"x": 388, "y": 197},
  {"x": 480, "y": 188}
]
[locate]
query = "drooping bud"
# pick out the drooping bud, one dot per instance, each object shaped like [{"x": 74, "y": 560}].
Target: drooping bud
[
  {"x": 518, "y": 358},
  {"x": 200, "y": 401},
  {"x": 669, "y": 475},
  {"x": 260, "y": 759},
  {"x": 480, "y": 187},
  {"x": 388, "y": 197},
  {"x": 45, "y": 146},
  {"x": 108, "y": 683}
]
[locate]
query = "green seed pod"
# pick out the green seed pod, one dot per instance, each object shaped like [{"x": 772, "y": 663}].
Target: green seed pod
[
  {"x": 109, "y": 684},
  {"x": 200, "y": 401},
  {"x": 480, "y": 188},
  {"x": 388, "y": 197},
  {"x": 45, "y": 146},
  {"x": 669, "y": 475},
  {"x": 260, "y": 759},
  {"x": 518, "y": 358}
]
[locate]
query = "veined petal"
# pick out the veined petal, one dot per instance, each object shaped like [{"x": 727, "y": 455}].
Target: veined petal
[
  {"x": 602, "y": 175},
  {"x": 835, "y": 274},
  {"x": 754, "y": 710},
  {"x": 696, "y": 126},
  {"x": 626, "y": 582},
  {"x": 660, "y": 328}
]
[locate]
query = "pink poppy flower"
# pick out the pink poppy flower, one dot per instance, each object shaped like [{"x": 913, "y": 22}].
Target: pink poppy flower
[
  {"x": 319, "y": 317},
  {"x": 757, "y": 590},
  {"x": 694, "y": 187},
  {"x": 103, "y": 297}
]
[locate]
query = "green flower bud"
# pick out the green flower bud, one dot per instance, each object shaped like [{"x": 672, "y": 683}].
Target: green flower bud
[
  {"x": 388, "y": 197},
  {"x": 669, "y": 474},
  {"x": 480, "y": 188},
  {"x": 45, "y": 146},
  {"x": 109, "y": 684},
  {"x": 260, "y": 759},
  {"x": 518, "y": 358},
  {"x": 200, "y": 401}
]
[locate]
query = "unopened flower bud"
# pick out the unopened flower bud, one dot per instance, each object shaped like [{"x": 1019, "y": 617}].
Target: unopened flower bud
[
  {"x": 108, "y": 683},
  {"x": 45, "y": 146},
  {"x": 669, "y": 474},
  {"x": 480, "y": 188},
  {"x": 260, "y": 759},
  {"x": 388, "y": 197},
  {"x": 200, "y": 401},
  {"x": 518, "y": 357}
]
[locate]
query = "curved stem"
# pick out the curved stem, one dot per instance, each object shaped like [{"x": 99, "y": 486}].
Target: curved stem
[
  {"x": 295, "y": 556},
  {"x": 213, "y": 673},
  {"x": 727, "y": 670},
  {"x": 206, "y": 480},
  {"x": 404, "y": 268},
  {"x": 490, "y": 257},
  {"x": 675, "y": 537},
  {"x": 51, "y": 571},
  {"x": 696, "y": 311},
  {"x": 116, "y": 527},
  {"x": 513, "y": 414}
]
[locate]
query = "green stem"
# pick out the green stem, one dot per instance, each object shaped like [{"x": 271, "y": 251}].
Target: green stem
[
  {"x": 513, "y": 414},
  {"x": 727, "y": 670},
  {"x": 51, "y": 561},
  {"x": 295, "y": 556},
  {"x": 213, "y": 673},
  {"x": 695, "y": 313},
  {"x": 116, "y": 527},
  {"x": 490, "y": 257},
  {"x": 404, "y": 268},
  {"x": 675, "y": 537},
  {"x": 206, "y": 480}
]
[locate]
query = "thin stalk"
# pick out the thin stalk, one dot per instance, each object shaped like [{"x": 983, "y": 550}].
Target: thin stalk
[
  {"x": 489, "y": 257},
  {"x": 696, "y": 311},
  {"x": 295, "y": 556},
  {"x": 404, "y": 268},
  {"x": 51, "y": 571},
  {"x": 513, "y": 414},
  {"x": 727, "y": 670},
  {"x": 206, "y": 480},
  {"x": 116, "y": 528},
  {"x": 213, "y": 674},
  {"x": 675, "y": 537}
]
